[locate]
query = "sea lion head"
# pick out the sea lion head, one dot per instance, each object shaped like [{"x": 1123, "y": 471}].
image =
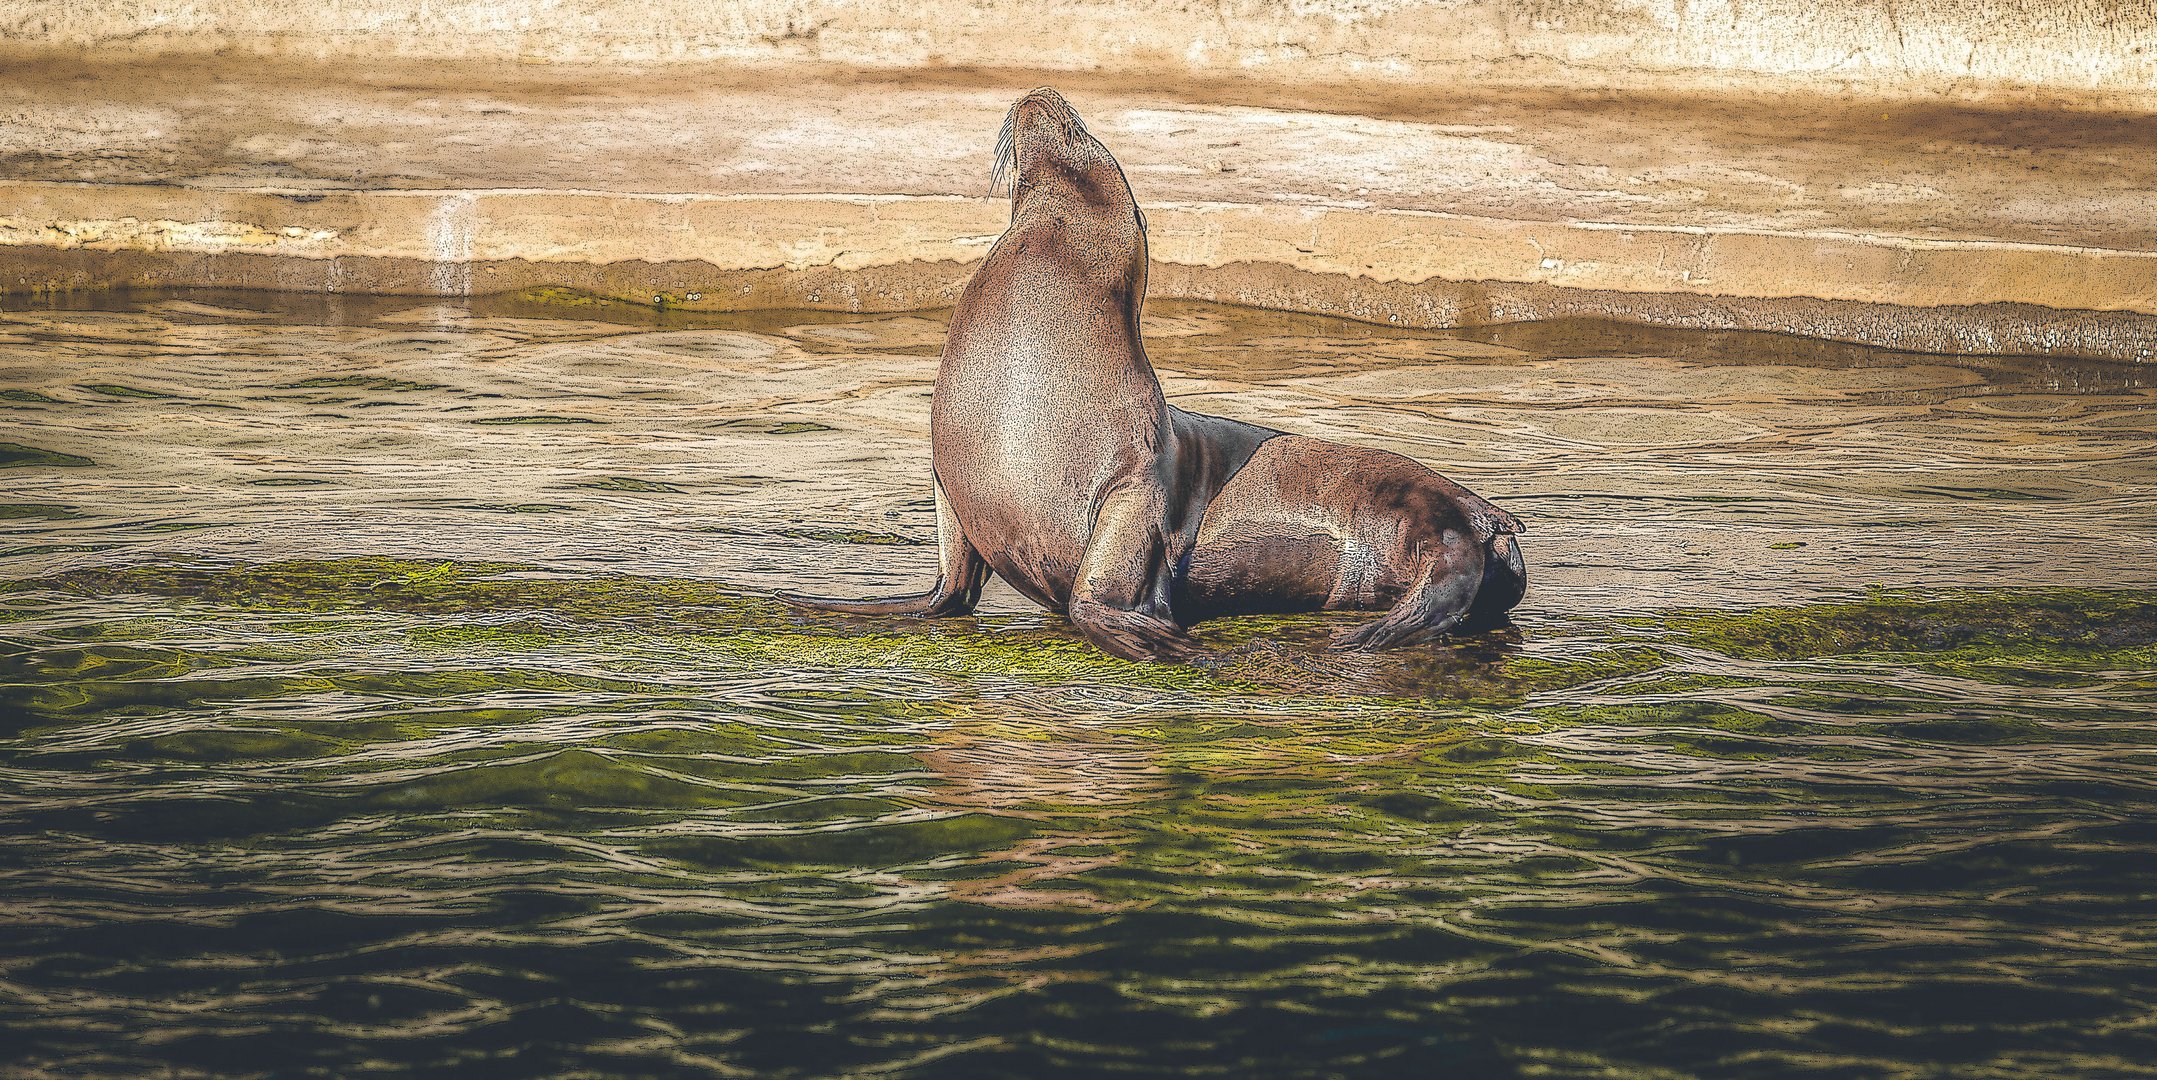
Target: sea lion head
[{"x": 1051, "y": 162}]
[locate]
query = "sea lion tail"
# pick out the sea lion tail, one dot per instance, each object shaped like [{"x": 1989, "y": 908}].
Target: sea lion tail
[{"x": 1489, "y": 523}]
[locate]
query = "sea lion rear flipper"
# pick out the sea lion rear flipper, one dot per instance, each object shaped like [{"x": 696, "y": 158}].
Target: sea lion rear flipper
[{"x": 1438, "y": 601}]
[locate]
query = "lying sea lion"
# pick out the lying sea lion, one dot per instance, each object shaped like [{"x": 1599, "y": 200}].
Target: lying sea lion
[{"x": 1059, "y": 465}]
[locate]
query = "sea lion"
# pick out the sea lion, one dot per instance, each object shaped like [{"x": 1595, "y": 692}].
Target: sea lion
[{"x": 1059, "y": 466}]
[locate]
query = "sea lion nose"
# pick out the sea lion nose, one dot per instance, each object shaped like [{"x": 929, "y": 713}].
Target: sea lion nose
[{"x": 1046, "y": 101}]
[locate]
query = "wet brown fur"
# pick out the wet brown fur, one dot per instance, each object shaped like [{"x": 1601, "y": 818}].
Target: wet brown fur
[{"x": 1060, "y": 467}]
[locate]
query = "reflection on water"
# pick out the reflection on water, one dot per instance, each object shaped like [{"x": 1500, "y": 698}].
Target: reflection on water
[{"x": 387, "y": 688}]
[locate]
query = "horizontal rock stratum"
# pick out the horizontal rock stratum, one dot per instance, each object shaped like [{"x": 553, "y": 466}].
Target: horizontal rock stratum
[
  {"x": 2094, "y": 49},
  {"x": 1933, "y": 226}
]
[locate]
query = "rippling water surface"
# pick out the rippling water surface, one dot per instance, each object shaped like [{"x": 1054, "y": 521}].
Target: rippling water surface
[{"x": 386, "y": 687}]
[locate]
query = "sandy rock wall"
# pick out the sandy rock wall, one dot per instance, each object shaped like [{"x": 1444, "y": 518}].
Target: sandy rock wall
[{"x": 2101, "y": 50}]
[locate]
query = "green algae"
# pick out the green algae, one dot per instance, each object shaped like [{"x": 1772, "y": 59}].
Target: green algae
[
  {"x": 721, "y": 625},
  {"x": 852, "y": 536},
  {"x": 535, "y": 419},
  {"x": 360, "y": 382},
  {"x": 1997, "y": 633},
  {"x": 631, "y": 483},
  {"x": 14, "y": 455},
  {"x": 504, "y": 610},
  {"x": 50, "y": 549},
  {"x": 825, "y": 536},
  {"x": 46, "y": 511},
  {"x": 121, "y": 391},
  {"x": 1029, "y": 657},
  {"x": 233, "y": 745},
  {"x": 27, "y": 397},
  {"x": 560, "y": 297},
  {"x": 782, "y": 427},
  {"x": 567, "y": 298},
  {"x": 525, "y": 508},
  {"x": 565, "y": 779}
]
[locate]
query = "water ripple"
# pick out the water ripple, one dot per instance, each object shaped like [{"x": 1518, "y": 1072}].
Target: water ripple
[{"x": 527, "y": 795}]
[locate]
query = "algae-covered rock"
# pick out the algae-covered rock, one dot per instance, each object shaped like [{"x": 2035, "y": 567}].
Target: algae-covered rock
[
  {"x": 505, "y": 606},
  {"x": 1996, "y": 631},
  {"x": 632, "y": 483},
  {"x": 16, "y": 454},
  {"x": 47, "y": 511},
  {"x": 360, "y": 382},
  {"x": 120, "y": 391},
  {"x": 2010, "y": 636}
]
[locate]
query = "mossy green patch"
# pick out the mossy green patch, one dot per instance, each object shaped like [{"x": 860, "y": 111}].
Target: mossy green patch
[
  {"x": 1971, "y": 628},
  {"x": 722, "y": 625},
  {"x": 1031, "y": 657},
  {"x": 51, "y": 549},
  {"x": 27, "y": 397},
  {"x": 867, "y": 844},
  {"x": 14, "y": 455},
  {"x": 233, "y": 745},
  {"x": 631, "y": 483},
  {"x": 568, "y": 298},
  {"x": 360, "y": 382},
  {"x": 826, "y": 536},
  {"x": 119, "y": 391},
  {"x": 780, "y": 427},
  {"x": 525, "y": 508},
  {"x": 47, "y": 511},
  {"x": 565, "y": 780},
  {"x": 2013, "y": 637},
  {"x": 1593, "y": 665}
]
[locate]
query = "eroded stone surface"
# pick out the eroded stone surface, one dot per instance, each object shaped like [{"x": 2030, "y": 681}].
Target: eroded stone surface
[{"x": 866, "y": 191}]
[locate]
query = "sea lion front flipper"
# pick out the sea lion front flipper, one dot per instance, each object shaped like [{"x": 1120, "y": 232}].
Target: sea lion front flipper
[
  {"x": 1120, "y": 598},
  {"x": 960, "y": 573}
]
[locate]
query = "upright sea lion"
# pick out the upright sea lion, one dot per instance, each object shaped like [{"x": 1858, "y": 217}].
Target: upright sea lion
[{"x": 1059, "y": 465}]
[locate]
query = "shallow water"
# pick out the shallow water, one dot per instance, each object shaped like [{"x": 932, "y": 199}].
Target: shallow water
[{"x": 386, "y": 688}]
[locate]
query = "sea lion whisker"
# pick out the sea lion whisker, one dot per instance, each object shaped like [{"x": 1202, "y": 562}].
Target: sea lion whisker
[{"x": 1004, "y": 174}]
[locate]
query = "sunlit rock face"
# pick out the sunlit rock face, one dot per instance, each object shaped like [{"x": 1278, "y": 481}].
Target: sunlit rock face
[
  {"x": 1909, "y": 164},
  {"x": 1893, "y": 46},
  {"x": 1995, "y": 226}
]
